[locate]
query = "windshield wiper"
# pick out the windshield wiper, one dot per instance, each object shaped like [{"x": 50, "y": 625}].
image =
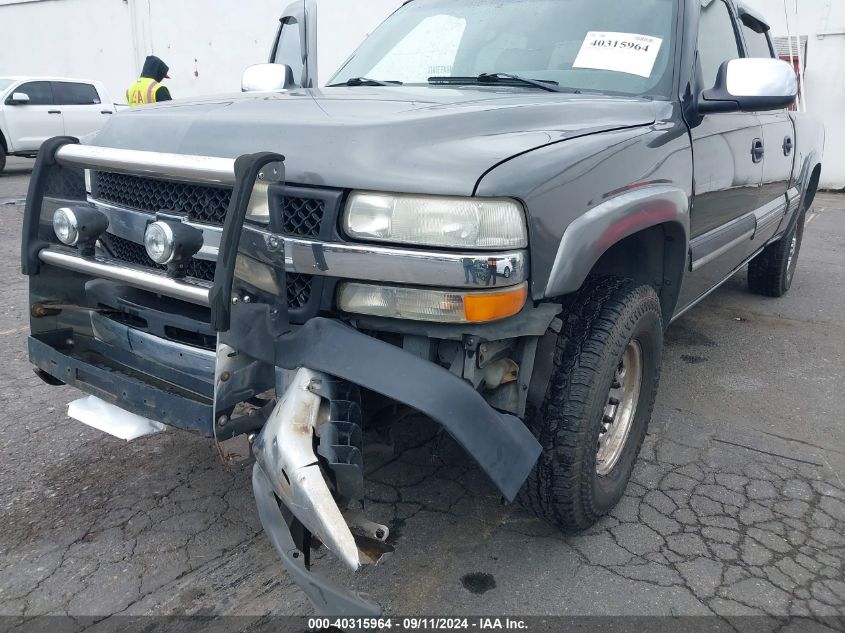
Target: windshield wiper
[
  {"x": 492, "y": 78},
  {"x": 365, "y": 81}
]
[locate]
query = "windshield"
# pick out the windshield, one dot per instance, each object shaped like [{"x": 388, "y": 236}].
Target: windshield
[
  {"x": 5, "y": 83},
  {"x": 603, "y": 45}
]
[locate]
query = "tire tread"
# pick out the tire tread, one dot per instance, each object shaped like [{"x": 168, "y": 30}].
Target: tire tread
[{"x": 556, "y": 489}]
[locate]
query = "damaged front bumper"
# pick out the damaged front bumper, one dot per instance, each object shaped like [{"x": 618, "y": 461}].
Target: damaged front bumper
[
  {"x": 308, "y": 453},
  {"x": 293, "y": 498},
  {"x": 499, "y": 443}
]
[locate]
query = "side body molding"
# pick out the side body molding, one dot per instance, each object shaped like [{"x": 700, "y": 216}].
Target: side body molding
[{"x": 589, "y": 236}]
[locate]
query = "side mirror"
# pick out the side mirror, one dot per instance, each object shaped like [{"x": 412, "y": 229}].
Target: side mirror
[
  {"x": 751, "y": 85},
  {"x": 18, "y": 98},
  {"x": 267, "y": 78}
]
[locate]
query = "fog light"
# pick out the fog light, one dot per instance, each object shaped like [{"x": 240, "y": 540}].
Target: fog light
[
  {"x": 66, "y": 226},
  {"x": 80, "y": 227},
  {"x": 423, "y": 304},
  {"x": 172, "y": 243},
  {"x": 159, "y": 242}
]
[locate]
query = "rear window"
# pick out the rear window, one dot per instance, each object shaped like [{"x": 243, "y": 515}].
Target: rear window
[{"x": 72, "y": 93}]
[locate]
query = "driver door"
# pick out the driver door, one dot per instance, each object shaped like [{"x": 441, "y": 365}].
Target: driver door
[
  {"x": 727, "y": 166},
  {"x": 33, "y": 122},
  {"x": 296, "y": 42}
]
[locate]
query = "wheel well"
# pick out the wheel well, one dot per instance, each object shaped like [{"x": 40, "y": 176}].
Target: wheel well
[
  {"x": 812, "y": 187},
  {"x": 655, "y": 256}
]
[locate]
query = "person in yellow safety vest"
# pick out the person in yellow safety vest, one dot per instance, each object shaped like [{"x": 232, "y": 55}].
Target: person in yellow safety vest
[{"x": 148, "y": 88}]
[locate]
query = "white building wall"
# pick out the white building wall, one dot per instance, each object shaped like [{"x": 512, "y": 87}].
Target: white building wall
[
  {"x": 68, "y": 38},
  {"x": 824, "y": 80}
]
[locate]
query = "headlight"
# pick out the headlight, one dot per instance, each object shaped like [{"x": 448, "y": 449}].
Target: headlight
[{"x": 470, "y": 223}]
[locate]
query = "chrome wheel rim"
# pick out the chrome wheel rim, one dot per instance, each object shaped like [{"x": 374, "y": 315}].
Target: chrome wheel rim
[{"x": 621, "y": 407}]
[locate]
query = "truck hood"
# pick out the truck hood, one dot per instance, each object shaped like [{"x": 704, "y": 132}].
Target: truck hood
[{"x": 425, "y": 140}]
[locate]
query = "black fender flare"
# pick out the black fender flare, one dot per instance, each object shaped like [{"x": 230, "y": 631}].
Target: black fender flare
[{"x": 595, "y": 232}]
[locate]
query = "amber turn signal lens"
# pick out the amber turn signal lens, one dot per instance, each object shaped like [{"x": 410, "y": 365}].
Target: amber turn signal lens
[
  {"x": 426, "y": 304},
  {"x": 492, "y": 306}
]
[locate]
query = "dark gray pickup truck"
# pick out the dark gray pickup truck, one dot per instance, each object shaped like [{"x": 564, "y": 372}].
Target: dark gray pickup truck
[{"x": 489, "y": 216}]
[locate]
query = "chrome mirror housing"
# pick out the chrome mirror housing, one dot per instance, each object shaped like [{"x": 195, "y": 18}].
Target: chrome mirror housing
[
  {"x": 267, "y": 78},
  {"x": 19, "y": 98},
  {"x": 751, "y": 85}
]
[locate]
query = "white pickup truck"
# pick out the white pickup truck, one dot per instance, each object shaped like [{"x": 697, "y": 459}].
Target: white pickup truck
[{"x": 33, "y": 109}]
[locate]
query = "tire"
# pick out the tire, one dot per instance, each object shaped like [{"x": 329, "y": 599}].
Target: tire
[
  {"x": 771, "y": 273},
  {"x": 570, "y": 486},
  {"x": 507, "y": 273},
  {"x": 2, "y": 158}
]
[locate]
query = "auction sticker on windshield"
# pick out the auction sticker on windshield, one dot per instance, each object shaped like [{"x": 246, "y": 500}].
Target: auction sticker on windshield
[{"x": 620, "y": 52}]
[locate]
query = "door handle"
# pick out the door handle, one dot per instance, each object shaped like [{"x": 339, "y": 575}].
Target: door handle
[
  {"x": 54, "y": 111},
  {"x": 787, "y": 146},
  {"x": 106, "y": 112},
  {"x": 757, "y": 150}
]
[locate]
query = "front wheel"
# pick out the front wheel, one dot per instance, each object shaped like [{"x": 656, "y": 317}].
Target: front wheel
[
  {"x": 2, "y": 158},
  {"x": 597, "y": 406}
]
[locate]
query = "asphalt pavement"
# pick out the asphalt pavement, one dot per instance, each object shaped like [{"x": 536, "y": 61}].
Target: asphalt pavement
[{"x": 737, "y": 505}]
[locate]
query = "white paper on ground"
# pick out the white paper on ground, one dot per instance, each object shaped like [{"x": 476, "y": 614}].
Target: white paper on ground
[
  {"x": 620, "y": 52},
  {"x": 111, "y": 419}
]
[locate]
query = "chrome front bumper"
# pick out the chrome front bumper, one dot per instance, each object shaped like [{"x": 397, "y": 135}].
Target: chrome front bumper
[{"x": 341, "y": 260}]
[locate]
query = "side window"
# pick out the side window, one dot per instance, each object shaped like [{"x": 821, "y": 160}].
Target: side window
[
  {"x": 757, "y": 43},
  {"x": 289, "y": 47},
  {"x": 67, "y": 93},
  {"x": 40, "y": 92},
  {"x": 717, "y": 42}
]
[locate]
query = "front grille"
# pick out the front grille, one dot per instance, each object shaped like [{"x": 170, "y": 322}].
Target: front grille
[
  {"x": 299, "y": 290},
  {"x": 128, "y": 251},
  {"x": 301, "y": 216},
  {"x": 305, "y": 214},
  {"x": 298, "y": 286},
  {"x": 200, "y": 203},
  {"x": 66, "y": 182}
]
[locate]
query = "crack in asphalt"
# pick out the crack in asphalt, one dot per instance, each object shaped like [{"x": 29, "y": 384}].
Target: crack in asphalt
[{"x": 765, "y": 452}]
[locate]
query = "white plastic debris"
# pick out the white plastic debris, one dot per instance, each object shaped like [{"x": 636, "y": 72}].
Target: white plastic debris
[{"x": 111, "y": 419}]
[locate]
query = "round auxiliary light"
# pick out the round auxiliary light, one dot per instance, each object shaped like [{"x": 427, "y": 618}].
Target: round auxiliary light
[
  {"x": 159, "y": 242},
  {"x": 66, "y": 226}
]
